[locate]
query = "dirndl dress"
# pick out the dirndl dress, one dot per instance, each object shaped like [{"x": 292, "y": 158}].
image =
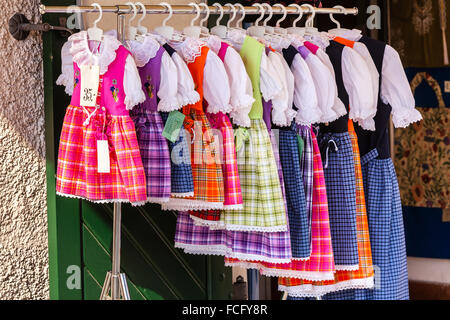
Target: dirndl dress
[
  {"x": 339, "y": 170},
  {"x": 206, "y": 168},
  {"x": 149, "y": 127},
  {"x": 77, "y": 169},
  {"x": 344, "y": 280},
  {"x": 320, "y": 265}
]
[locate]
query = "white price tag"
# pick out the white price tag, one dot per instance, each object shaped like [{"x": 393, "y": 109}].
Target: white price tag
[
  {"x": 103, "y": 165},
  {"x": 447, "y": 86},
  {"x": 89, "y": 85}
]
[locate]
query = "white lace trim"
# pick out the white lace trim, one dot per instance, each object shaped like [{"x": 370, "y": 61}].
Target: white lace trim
[
  {"x": 135, "y": 204},
  {"x": 367, "y": 124},
  {"x": 222, "y": 108},
  {"x": 133, "y": 99},
  {"x": 178, "y": 204},
  {"x": 312, "y": 291},
  {"x": 143, "y": 51},
  {"x": 169, "y": 104},
  {"x": 404, "y": 119},
  {"x": 279, "y": 118},
  {"x": 190, "y": 49},
  {"x": 308, "y": 117},
  {"x": 67, "y": 82},
  {"x": 346, "y": 267},
  {"x": 82, "y": 54},
  {"x": 269, "y": 272},
  {"x": 190, "y": 97},
  {"x": 241, "y": 119},
  {"x": 245, "y": 228},
  {"x": 182, "y": 195},
  {"x": 329, "y": 116},
  {"x": 290, "y": 115},
  {"x": 233, "y": 207},
  {"x": 214, "y": 43},
  {"x": 157, "y": 200},
  {"x": 301, "y": 259}
]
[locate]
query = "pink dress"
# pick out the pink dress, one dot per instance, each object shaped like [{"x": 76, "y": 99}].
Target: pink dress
[{"x": 77, "y": 172}]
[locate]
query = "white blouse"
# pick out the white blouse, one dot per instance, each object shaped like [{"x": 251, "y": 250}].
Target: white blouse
[
  {"x": 77, "y": 50},
  {"x": 269, "y": 85},
  {"x": 324, "y": 83},
  {"x": 290, "y": 113},
  {"x": 395, "y": 89},
  {"x": 280, "y": 103},
  {"x": 216, "y": 87},
  {"x": 241, "y": 90},
  {"x": 168, "y": 87}
]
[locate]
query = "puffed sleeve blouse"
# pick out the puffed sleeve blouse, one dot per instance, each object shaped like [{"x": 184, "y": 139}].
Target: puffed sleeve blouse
[
  {"x": 167, "y": 93},
  {"x": 241, "y": 91},
  {"x": 216, "y": 87}
]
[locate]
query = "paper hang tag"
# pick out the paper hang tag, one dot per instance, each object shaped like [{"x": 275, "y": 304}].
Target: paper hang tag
[
  {"x": 103, "y": 164},
  {"x": 173, "y": 125},
  {"x": 89, "y": 85}
]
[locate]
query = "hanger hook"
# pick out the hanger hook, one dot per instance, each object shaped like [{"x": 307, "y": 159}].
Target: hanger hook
[
  {"x": 338, "y": 24},
  {"x": 197, "y": 8},
  {"x": 269, "y": 8},
  {"x": 144, "y": 12},
  {"x": 202, "y": 4},
  {"x": 219, "y": 8},
  {"x": 99, "y": 7},
  {"x": 168, "y": 7},
  {"x": 242, "y": 9},
  {"x": 232, "y": 8},
  {"x": 284, "y": 13},
  {"x": 260, "y": 8},
  {"x": 300, "y": 13},
  {"x": 133, "y": 7},
  {"x": 310, "y": 21}
]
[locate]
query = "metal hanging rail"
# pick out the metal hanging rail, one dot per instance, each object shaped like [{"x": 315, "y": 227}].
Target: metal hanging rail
[{"x": 186, "y": 9}]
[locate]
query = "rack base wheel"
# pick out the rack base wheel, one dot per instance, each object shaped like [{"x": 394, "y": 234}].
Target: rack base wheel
[{"x": 115, "y": 287}]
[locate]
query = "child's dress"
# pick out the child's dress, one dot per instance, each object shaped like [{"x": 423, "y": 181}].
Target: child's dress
[
  {"x": 159, "y": 83},
  {"x": 77, "y": 171}
]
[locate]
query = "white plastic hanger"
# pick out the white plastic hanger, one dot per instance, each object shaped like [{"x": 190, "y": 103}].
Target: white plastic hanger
[
  {"x": 233, "y": 16},
  {"x": 338, "y": 24},
  {"x": 277, "y": 28},
  {"x": 141, "y": 30},
  {"x": 205, "y": 30},
  {"x": 191, "y": 30},
  {"x": 163, "y": 30},
  {"x": 219, "y": 30},
  {"x": 257, "y": 31},
  {"x": 268, "y": 29},
  {"x": 131, "y": 31},
  {"x": 96, "y": 33},
  {"x": 294, "y": 29},
  {"x": 310, "y": 30}
]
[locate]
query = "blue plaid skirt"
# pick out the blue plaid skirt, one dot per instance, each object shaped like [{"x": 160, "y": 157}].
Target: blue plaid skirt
[
  {"x": 339, "y": 171},
  {"x": 387, "y": 236},
  {"x": 295, "y": 193},
  {"x": 182, "y": 183}
]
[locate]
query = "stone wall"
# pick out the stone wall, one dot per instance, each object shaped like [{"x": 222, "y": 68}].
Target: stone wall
[{"x": 23, "y": 214}]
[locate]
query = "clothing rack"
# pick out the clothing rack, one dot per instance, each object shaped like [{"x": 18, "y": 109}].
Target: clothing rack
[
  {"x": 186, "y": 9},
  {"x": 115, "y": 285}
]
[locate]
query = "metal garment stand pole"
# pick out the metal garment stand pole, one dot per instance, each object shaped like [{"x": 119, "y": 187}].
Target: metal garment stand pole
[{"x": 115, "y": 286}]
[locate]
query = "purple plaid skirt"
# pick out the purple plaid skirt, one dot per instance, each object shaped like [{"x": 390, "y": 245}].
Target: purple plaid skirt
[{"x": 155, "y": 154}]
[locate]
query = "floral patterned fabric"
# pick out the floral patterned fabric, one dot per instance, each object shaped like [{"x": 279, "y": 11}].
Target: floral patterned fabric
[{"x": 422, "y": 150}]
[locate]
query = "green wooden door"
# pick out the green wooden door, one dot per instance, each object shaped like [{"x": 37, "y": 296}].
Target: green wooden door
[{"x": 80, "y": 233}]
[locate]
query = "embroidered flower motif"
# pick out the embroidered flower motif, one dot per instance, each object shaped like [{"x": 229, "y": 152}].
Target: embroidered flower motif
[
  {"x": 149, "y": 87},
  {"x": 76, "y": 79},
  {"x": 114, "y": 92}
]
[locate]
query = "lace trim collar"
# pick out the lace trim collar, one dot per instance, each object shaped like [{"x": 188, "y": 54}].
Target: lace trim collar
[
  {"x": 214, "y": 43},
  {"x": 82, "y": 55},
  {"x": 143, "y": 51}
]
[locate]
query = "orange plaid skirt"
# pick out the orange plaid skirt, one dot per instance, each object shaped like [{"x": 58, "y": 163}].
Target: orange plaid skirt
[{"x": 343, "y": 280}]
